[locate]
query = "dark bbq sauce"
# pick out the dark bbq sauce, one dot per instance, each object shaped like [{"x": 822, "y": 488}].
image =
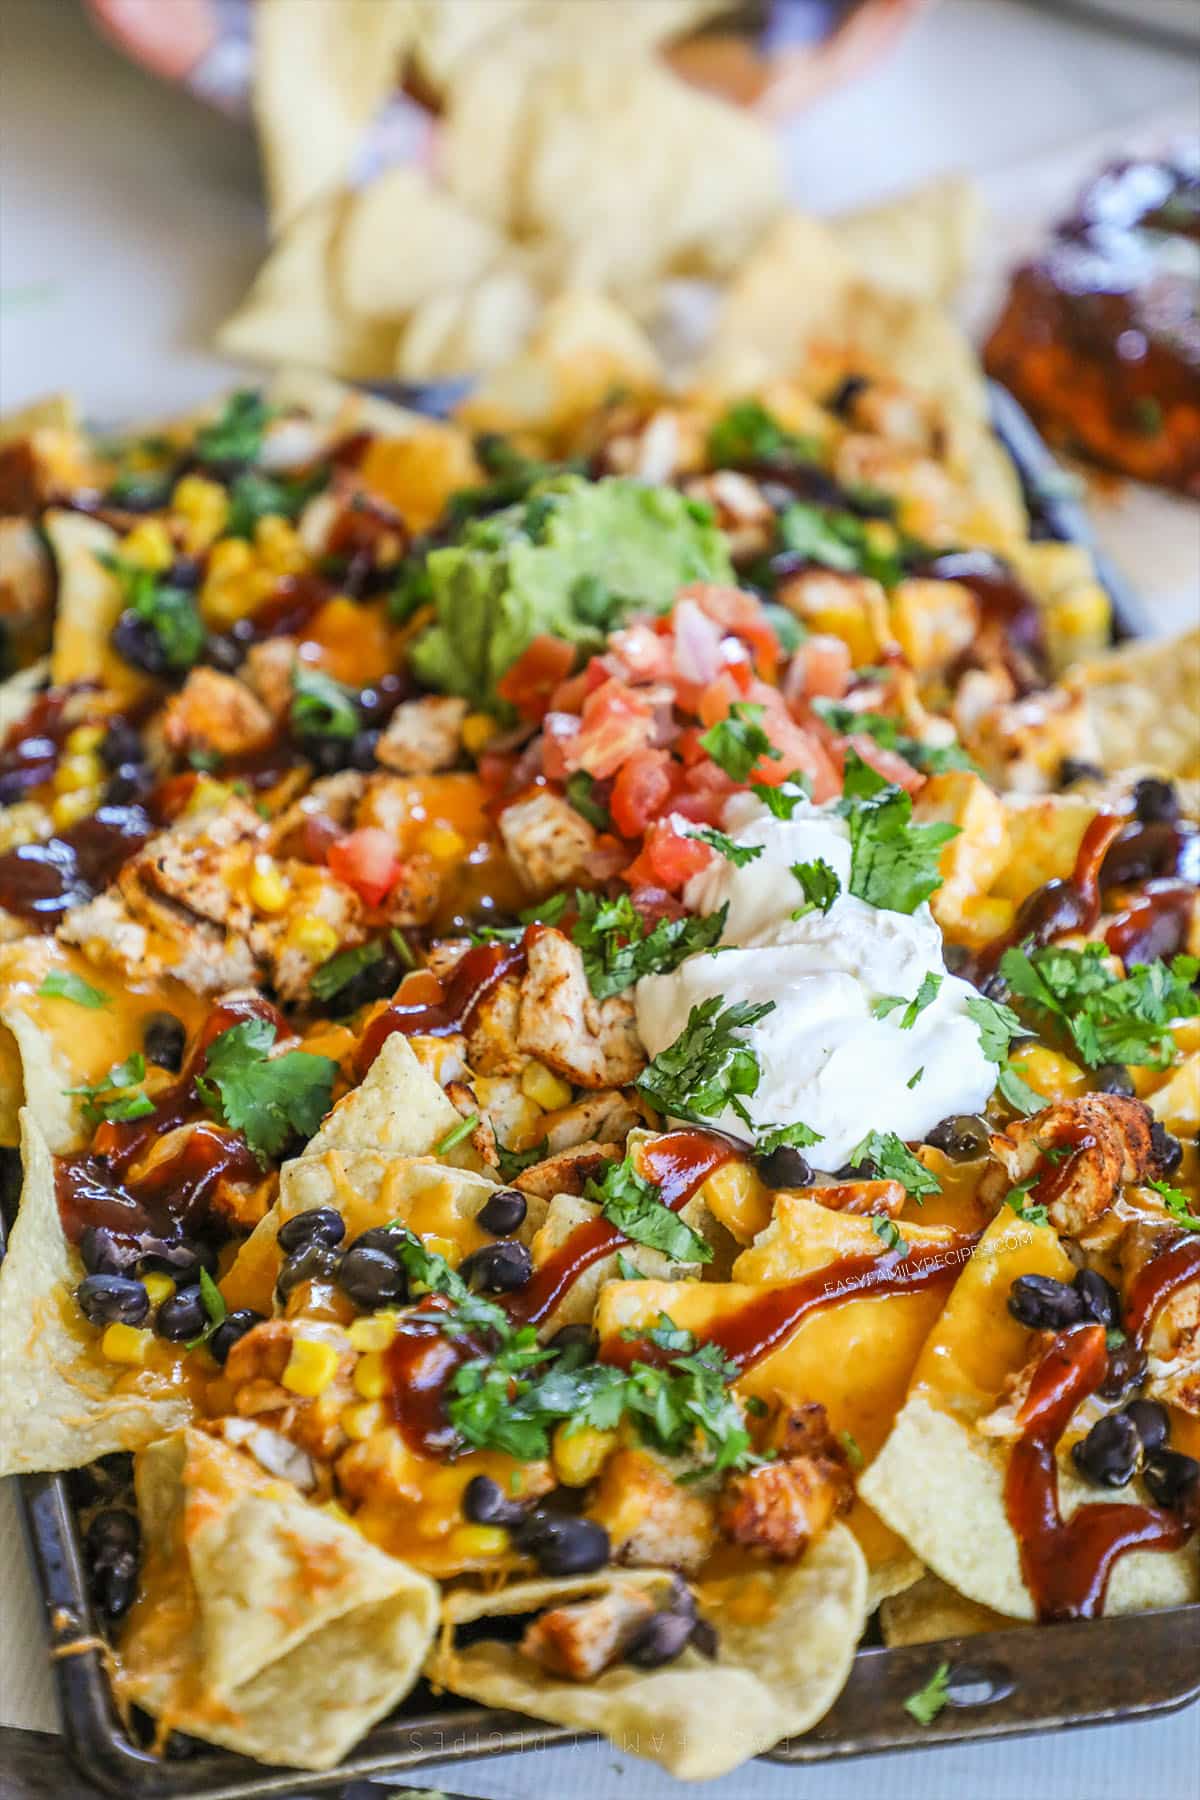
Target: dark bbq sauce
[
  {"x": 1154, "y": 1285},
  {"x": 1056, "y": 1178},
  {"x": 1058, "y": 906},
  {"x": 420, "y": 1361},
  {"x": 474, "y": 977},
  {"x": 1067, "y": 1562},
  {"x": 40, "y": 882},
  {"x": 767, "y": 1321},
  {"x": 296, "y": 601},
  {"x": 1009, "y": 612},
  {"x": 1154, "y": 925},
  {"x": 172, "y": 1197},
  {"x": 32, "y": 746},
  {"x": 1145, "y": 852}
]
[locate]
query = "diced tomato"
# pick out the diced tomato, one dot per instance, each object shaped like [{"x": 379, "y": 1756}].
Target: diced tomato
[
  {"x": 667, "y": 860},
  {"x": 822, "y": 666},
  {"x": 642, "y": 789},
  {"x": 495, "y": 768},
  {"x": 640, "y": 654},
  {"x": 717, "y": 698},
  {"x": 617, "y": 721},
  {"x": 887, "y": 763},
  {"x": 532, "y": 679},
  {"x": 366, "y": 860},
  {"x": 559, "y": 732}
]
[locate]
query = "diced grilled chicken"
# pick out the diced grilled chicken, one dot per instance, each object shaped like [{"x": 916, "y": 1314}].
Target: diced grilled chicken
[
  {"x": 582, "y": 1640},
  {"x": 423, "y": 735},
  {"x": 1175, "y": 1334},
  {"x": 746, "y": 518},
  {"x": 783, "y": 1505},
  {"x": 874, "y": 1198},
  {"x": 1002, "y": 1422},
  {"x": 1107, "y": 1143},
  {"x": 569, "y": 1172},
  {"x": 605, "y": 1118},
  {"x": 217, "y": 714},
  {"x": 268, "y": 668},
  {"x": 254, "y": 1371},
  {"x": 651, "y": 1519},
  {"x": 547, "y": 841},
  {"x": 594, "y": 1043},
  {"x": 1022, "y": 744}
]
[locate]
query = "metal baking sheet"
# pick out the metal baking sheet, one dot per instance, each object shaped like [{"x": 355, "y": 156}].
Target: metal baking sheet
[{"x": 1002, "y": 1684}]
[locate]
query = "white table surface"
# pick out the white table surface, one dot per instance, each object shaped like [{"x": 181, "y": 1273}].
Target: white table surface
[{"x": 130, "y": 223}]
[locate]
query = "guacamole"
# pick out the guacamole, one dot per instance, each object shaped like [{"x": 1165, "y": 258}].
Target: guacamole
[{"x": 572, "y": 561}]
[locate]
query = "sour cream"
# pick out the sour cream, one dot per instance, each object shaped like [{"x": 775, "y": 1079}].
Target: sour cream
[{"x": 825, "y": 1059}]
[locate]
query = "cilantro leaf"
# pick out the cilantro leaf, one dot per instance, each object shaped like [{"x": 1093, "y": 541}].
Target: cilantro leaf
[
  {"x": 628, "y": 1271},
  {"x": 893, "y": 863},
  {"x": 64, "y": 984},
  {"x": 834, "y": 538},
  {"x": 340, "y": 970},
  {"x": 254, "y": 496},
  {"x": 925, "y": 995},
  {"x": 895, "y": 1162},
  {"x": 819, "y": 884},
  {"x": 708, "y": 1067},
  {"x": 579, "y": 794},
  {"x": 1018, "y": 1093},
  {"x": 998, "y": 1025},
  {"x": 931, "y": 759},
  {"x": 925, "y": 1705},
  {"x": 737, "y": 742},
  {"x": 915, "y": 1077},
  {"x": 236, "y": 434},
  {"x": 268, "y": 1099},
  {"x": 1178, "y": 1204},
  {"x": 1017, "y": 1199},
  {"x": 853, "y": 1449},
  {"x": 111, "y": 1100},
  {"x": 748, "y": 433},
  {"x": 690, "y": 1398},
  {"x": 168, "y": 611},
  {"x": 797, "y": 1137},
  {"x": 889, "y": 1234},
  {"x": 636, "y": 1208},
  {"x": 515, "y": 1162},
  {"x": 737, "y": 854},
  {"x": 214, "y": 1306},
  {"x": 321, "y": 707},
  {"x": 618, "y": 950},
  {"x": 1109, "y": 1018},
  {"x": 779, "y": 800}
]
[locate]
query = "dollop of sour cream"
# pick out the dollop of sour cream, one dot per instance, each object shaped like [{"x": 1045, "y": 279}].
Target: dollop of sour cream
[{"x": 825, "y": 1059}]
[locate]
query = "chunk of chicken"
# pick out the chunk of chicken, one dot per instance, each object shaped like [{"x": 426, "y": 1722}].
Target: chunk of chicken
[
  {"x": 580, "y": 1641},
  {"x": 268, "y": 669},
  {"x": 605, "y": 1118},
  {"x": 216, "y": 714},
  {"x": 547, "y": 841},
  {"x": 783, "y": 1505},
  {"x": 594, "y": 1043},
  {"x": 1021, "y": 744},
  {"x": 652, "y": 1521},
  {"x": 1107, "y": 1143},
  {"x": 423, "y": 736},
  {"x": 569, "y": 1172},
  {"x": 871, "y": 1198}
]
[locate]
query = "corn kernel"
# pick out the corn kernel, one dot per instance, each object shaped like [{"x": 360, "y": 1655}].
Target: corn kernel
[
  {"x": 232, "y": 556},
  {"x": 278, "y": 547},
  {"x": 159, "y": 1286},
  {"x": 478, "y": 1540},
  {"x": 267, "y": 888},
  {"x": 443, "y": 843},
  {"x": 126, "y": 1344},
  {"x": 547, "y": 1090},
  {"x": 478, "y": 730},
  {"x": 578, "y": 1456},
  {"x": 1052, "y": 1076},
  {"x": 84, "y": 739},
  {"x": 149, "y": 546},
  {"x": 370, "y": 1379},
  {"x": 203, "y": 507},
  {"x": 373, "y": 1333},
  {"x": 362, "y": 1419},
  {"x": 206, "y": 795},
  {"x": 75, "y": 772},
  {"x": 311, "y": 1367},
  {"x": 68, "y": 809},
  {"x": 314, "y": 938},
  {"x": 444, "y": 1247}
]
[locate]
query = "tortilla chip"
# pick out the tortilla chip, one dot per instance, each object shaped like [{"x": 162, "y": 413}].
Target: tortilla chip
[
  {"x": 929, "y": 1611},
  {"x": 342, "y": 409},
  {"x": 52, "y": 412},
  {"x": 322, "y": 68},
  {"x": 458, "y": 332},
  {"x": 1144, "y": 701},
  {"x": 787, "y": 1638},
  {"x": 264, "y": 1623},
  {"x": 405, "y": 239},
  {"x": 940, "y": 1484},
  {"x": 19, "y": 692},
  {"x": 61, "y": 1404},
  {"x": 89, "y": 605},
  {"x": 293, "y": 312},
  {"x": 921, "y": 243}
]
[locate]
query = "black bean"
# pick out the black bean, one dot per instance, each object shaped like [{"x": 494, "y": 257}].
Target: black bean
[
  {"x": 136, "y": 640},
  {"x": 362, "y": 750},
  {"x": 182, "y": 1316},
  {"x": 103, "y": 1481},
  {"x": 498, "y": 1268},
  {"x": 847, "y": 391},
  {"x": 233, "y": 1326},
  {"x": 1155, "y": 802},
  {"x": 111, "y": 1551},
  {"x": 704, "y": 1637},
  {"x": 380, "y": 1237},
  {"x": 112, "y": 1300},
  {"x": 863, "y": 1171},
  {"x": 114, "y": 1586},
  {"x": 1166, "y": 1150},
  {"x": 664, "y": 1636},
  {"x": 181, "y": 1257},
  {"x": 163, "y": 1040},
  {"x": 1044, "y": 1303},
  {"x": 106, "y": 1252},
  {"x": 1151, "y": 1421},
  {"x": 562, "y": 1545},
  {"x": 1114, "y": 1078},
  {"x": 1109, "y": 1454},
  {"x": 784, "y": 1168},
  {"x": 485, "y": 1503},
  {"x": 1126, "y": 1371},
  {"x": 963, "y": 1137},
  {"x": 503, "y": 1212},
  {"x": 328, "y": 755},
  {"x": 312, "y": 1262},
  {"x": 574, "y": 1344},
  {"x": 224, "y": 653},
  {"x": 110, "y": 1533},
  {"x": 1097, "y": 1298},
  {"x": 1172, "y": 1478},
  {"x": 132, "y": 781},
  {"x": 121, "y": 745},
  {"x": 371, "y": 1278},
  {"x": 323, "y": 1225},
  {"x": 1074, "y": 768}
]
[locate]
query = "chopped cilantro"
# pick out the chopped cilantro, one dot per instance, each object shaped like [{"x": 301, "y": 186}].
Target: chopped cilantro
[
  {"x": 915, "y": 1077},
  {"x": 628, "y": 1271},
  {"x": 925, "y": 995},
  {"x": 889, "y": 1234},
  {"x": 413, "y": 589},
  {"x": 667, "y": 1335},
  {"x": 736, "y": 743},
  {"x": 332, "y": 976},
  {"x": 895, "y": 1162},
  {"x": 321, "y": 707},
  {"x": 236, "y": 434},
  {"x": 931, "y": 759},
  {"x": 214, "y": 1306},
  {"x": 689, "y": 1399},
  {"x": 254, "y": 496},
  {"x": 893, "y": 863},
  {"x": 737, "y": 854},
  {"x": 1018, "y": 1093},
  {"x": 169, "y": 611},
  {"x": 618, "y": 950},
  {"x": 111, "y": 1100},
  {"x": 748, "y": 433},
  {"x": 1017, "y": 1199},
  {"x": 783, "y": 800},
  {"x": 515, "y": 1162},
  {"x": 851, "y": 1446},
  {"x": 456, "y": 1134},
  {"x": 635, "y": 1207},
  {"x": 1114, "y": 1337},
  {"x": 796, "y": 1137},
  {"x": 818, "y": 883},
  {"x": 579, "y": 794},
  {"x": 708, "y": 1067},
  {"x": 269, "y": 1099},
  {"x": 836, "y": 539},
  {"x": 925, "y": 1705},
  {"x": 998, "y": 1026},
  {"x": 1178, "y": 1204},
  {"x": 64, "y": 984},
  {"x": 1110, "y": 1019}
]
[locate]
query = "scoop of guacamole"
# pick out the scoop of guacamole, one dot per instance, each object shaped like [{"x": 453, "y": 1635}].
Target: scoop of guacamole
[{"x": 572, "y": 560}]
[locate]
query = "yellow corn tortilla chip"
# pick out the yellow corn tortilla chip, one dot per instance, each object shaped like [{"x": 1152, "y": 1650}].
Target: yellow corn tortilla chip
[
  {"x": 404, "y": 239},
  {"x": 920, "y": 243},
  {"x": 293, "y": 312},
  {"x": 457, "y": 332},
  {"x": 61, "y": 1403},
  {"x": 787, "y": 1637},
  {"x": 929, "y": 1611},
  {"x": 263, "y": 1623},
  {"x": 339, "y": 408},
  {"x": 89, "y": 605},
  {"x": 1144, "y": 702},
  {"x": 940, "y": 1484}
]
